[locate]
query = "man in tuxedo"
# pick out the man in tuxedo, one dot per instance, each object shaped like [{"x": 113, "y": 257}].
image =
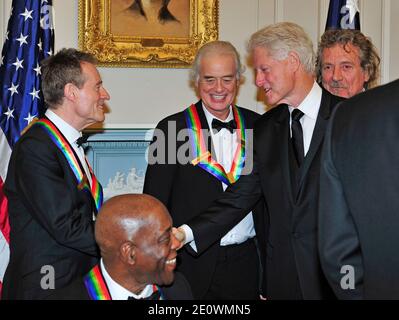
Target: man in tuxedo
[
  {"x": 287, "y": 149},
  {"x": 359, "y": 203},
  {"x": 215, "y": 160},
  {"x": 52, "y": 192},
  {"x": 347, "y": 62},
  {"x": 138, "y": 250}
]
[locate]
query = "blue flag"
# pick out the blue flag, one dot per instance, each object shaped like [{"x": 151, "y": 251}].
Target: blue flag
[
  {"x": 343, "y": 14},
  {"x": 29, "y": 39}
]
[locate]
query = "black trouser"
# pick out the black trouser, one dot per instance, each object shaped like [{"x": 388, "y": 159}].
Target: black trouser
[{"x": 236, "y": 274}]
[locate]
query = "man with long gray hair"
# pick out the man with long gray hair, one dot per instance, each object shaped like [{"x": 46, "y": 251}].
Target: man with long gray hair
[
  {"x": 347, "y": 62},
  {"x": 216, "y": 160}
]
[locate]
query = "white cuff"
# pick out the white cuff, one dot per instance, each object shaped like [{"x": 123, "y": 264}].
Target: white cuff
[{"x": 189, "y": 236}]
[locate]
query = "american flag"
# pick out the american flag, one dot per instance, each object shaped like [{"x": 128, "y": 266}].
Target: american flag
[
  {"x": 28, "y": 40},
  {"x": 343, "y": 14}
]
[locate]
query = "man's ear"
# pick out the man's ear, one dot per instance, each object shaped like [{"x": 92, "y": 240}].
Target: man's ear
[
  {"x": 366, "y": 75},
  {"x": 294, "y": 60},
  {"x": 128, "y": 252},
  {"x": 70, "y": 92}
]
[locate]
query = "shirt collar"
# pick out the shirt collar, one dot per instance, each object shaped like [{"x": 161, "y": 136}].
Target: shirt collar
[
  {"x": 311, "y": 104},
  {"x": 118, "y": 292},
  {"x": 70, "y": 133},
  {"x": 209, "y": 116}
]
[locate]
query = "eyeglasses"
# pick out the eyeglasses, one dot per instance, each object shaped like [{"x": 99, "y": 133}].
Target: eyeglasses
[{"x": 212, "y": 81}]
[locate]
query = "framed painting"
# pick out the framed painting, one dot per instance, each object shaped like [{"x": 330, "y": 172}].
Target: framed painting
[{"x": 146, "y": 33}]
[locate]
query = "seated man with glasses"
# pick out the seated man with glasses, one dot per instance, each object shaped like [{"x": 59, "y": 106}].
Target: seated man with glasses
[{"x": 191, "y": 165}]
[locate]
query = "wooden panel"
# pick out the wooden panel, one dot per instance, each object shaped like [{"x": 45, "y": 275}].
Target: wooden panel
[
  {"x": 306, "y": 14},
  {"x": 66, "y": 33},
  {"x": 237, "y": 23},
  {"x": 5, "y": 7},
  {"x": 371, "y": 20},
  {"x": 267, "y": 12},
  {"x": 394, "y": 44}
]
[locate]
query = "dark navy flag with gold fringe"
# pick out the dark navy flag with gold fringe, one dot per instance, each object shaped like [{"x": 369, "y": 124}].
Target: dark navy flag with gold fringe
[{"x": 343, "y": 14}]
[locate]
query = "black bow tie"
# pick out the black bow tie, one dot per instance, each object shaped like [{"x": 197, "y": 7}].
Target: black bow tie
[
  {"x": 81, "y": 140},
  {"x": 155, "y": 296},
  {"x": 218, "y": 125}
]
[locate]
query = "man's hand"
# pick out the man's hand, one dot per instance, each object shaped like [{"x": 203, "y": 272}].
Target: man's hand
[{"x": 180, "y": 235}]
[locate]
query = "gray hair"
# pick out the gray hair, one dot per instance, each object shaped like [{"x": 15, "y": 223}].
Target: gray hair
[
  {"x": 220, "y": 47},
  {"x": 61, "y": 69},
  {"x": 282, "y": 38},
  {"x": 369, "y": 58}
]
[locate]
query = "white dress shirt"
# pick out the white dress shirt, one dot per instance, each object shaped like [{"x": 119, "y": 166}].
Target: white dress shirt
[
  {"x": 310, "y": 107},
  {"x": 118, "y": 292},
  {"x": 225, "y": 144},
  {"x": 71, "y": 135}
]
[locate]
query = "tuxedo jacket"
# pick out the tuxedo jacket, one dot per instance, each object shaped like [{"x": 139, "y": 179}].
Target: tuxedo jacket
[
  {"x": 51, "y": 219},
  {"x": 186, "y": 190},
  {"x": 292, "y": 263},
  {"x": 178, "y": 290},
  {"x": 359, "y": 202}
]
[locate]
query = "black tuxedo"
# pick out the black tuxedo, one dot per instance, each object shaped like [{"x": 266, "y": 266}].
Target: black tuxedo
[
  {"x": 186, "y": 190},
  {"x": 178, "y": 290},
  {"x": 292, "y": 264},
  {"x": 50, "y": 218},
  {"x": 359, "y": 203}
]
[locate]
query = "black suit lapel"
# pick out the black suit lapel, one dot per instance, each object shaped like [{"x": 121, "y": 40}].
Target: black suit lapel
[
  {"x": 204, "y": 125},
  {"x": 318, "y": 135},
  {"x": 85, "y": 180},
  {"x": 282, "y": 134}
]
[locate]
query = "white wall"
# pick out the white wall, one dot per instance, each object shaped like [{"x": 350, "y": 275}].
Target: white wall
[
  {"x": 393, "y": 64},
  {"x": 144, "y": 96}
]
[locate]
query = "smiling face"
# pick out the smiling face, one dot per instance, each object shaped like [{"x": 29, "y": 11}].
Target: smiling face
[
  {"x": 90, "y": 98},
  {"x": 341, "y": 71},
  {"x": 156, "y": 251},
  {"x": 217, "y": 84},
  {"x": 275, "y": 77}
]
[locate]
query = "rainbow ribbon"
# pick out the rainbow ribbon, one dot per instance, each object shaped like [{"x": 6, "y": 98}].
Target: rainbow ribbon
[
  {"x": 203, "y": 158},
  {"x": 98, "y": 290},
  {"x": 56, "y": 136},
  {"x": 95, "y": 285},
  {"x": 96, "y": 189}
]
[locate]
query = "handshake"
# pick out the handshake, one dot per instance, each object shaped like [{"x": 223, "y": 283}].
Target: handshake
[{"x": 180, "y": 235}]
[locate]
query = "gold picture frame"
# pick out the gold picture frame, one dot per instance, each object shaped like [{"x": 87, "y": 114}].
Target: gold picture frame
[{"x": 120, "y": 37}]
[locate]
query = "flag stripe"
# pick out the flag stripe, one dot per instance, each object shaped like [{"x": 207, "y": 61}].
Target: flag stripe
[
  {"x": 4, "y": 252},
  {"x": 4, "y": 234},
  {"x": 5, "y": 152},
  {"x": 4, "y": 225}
]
